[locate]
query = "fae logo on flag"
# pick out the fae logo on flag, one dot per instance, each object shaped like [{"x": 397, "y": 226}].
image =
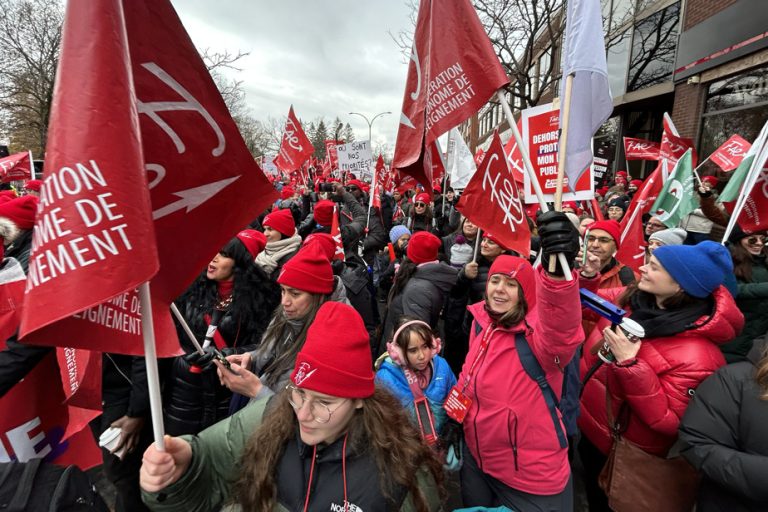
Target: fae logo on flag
[{"x": 731, "y": 153}]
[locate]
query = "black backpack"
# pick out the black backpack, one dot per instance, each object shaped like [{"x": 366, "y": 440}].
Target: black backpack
[{"x": 37, "y": 486}]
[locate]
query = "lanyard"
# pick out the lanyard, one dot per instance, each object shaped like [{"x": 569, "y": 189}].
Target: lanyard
[{"x": 480, "y": 353}]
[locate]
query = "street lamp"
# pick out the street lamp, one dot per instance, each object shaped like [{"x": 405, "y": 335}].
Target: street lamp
[{"x": 370, "y": 123}]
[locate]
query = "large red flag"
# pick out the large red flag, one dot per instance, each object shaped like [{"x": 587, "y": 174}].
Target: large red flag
[
  {"x": 331, "y": 155},
  {"x": 198, "y": 164},
  {"x": 453, "y": 71},
  {"x": 730, "y": 154},
  {"x": 295, "y": 147},
  {"x": 640, "y": 149},
  {"x": 336, "y": 234},
  {"x": 754, "y": 216},
  {"x": 18, "y": 166},
  {"x": 632, "y": 249},
  {"x": 492, "y": 201},
  {"x": 94, "y": 237},
  {"x": 673, "y": 146},
  {"x": 644, "y": 198}
]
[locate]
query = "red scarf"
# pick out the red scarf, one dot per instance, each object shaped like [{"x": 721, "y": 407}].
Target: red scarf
[{"x": 225, "y": 288}]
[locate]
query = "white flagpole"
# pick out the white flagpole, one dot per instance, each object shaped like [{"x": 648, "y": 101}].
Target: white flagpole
[
  {"x": 529, "y": 169},
  {"x": 185, "y": 327},
  {"x": 477, "y": 244},
  {"x": 31, "y": 165},
  {"x": 447, "y": 162},
  {"x": 150, "y": 356},
  {"x": 565, "y": 118}
]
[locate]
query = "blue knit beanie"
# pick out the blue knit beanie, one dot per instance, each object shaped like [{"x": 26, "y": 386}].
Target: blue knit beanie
[
  {"x": 698, "y": 269},
  {"x": 396, "y": 232}
]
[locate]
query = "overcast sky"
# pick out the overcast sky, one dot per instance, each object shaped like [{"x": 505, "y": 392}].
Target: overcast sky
[{"x": 327, "y": 58}]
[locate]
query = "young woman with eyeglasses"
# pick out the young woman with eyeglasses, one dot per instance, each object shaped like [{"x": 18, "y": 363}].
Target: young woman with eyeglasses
[
  {"x": 751, "y": 270},
  {"x": 420, "y": 217},
  {"x": 329, "y": 441}
]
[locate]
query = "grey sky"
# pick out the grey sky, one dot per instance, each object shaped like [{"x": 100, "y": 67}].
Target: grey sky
[{"x": 327, "y": 58}]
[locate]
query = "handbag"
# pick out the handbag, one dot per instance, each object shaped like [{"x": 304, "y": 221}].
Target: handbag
[{"x": 635, "y": 480}]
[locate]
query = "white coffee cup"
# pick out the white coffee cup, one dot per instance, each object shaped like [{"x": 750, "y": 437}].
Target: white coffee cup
[{"x": 110, "y": 439}]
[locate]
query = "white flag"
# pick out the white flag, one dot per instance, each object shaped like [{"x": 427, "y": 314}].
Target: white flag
[
  {"x": 591, "y": 103},
  {"x": 461, "y": 163}
]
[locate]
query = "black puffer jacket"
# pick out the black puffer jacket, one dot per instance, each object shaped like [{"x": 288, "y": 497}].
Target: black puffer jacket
[
  {"x": 422, "y": 297},
  {"x": 725, "y": 437}
]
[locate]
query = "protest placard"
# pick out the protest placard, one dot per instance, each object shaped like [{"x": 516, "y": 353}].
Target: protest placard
[{"x": 356, "y": 157}]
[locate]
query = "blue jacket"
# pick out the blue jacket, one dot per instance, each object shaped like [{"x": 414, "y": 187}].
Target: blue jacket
[{"x": 392, "y": 377}]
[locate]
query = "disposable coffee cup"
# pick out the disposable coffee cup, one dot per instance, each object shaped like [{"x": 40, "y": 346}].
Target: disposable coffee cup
[
  {"x": 110, "y": 439},
  {"x": 632, "y": 330}
]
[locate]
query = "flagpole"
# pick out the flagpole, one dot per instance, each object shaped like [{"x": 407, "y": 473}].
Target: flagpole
[
  {"x": 749, "y": 184},
  {"x": 695, "y": 173},
  {"x": 477, "y": 244},
  {"x": 529, "y": 170},
  {"x": 150, "y": 357},
  {"x": 185, "y": 327},
  {"x": 31, "y": 165},
  {"x": 562, "y": 145},
  {"x": 451, "y": 141}
]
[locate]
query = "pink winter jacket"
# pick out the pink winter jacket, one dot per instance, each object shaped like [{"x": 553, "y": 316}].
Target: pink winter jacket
[{"x": 508, "y": 428}]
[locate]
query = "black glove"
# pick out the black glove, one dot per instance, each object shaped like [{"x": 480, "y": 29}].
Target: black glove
[
  {"x": 202, "y": 361},
  {"x": 558, "y": 235}
]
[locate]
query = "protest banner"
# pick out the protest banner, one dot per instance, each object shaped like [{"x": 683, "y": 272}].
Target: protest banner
[
  {"x": 18, "y": 166},
  {"x": 640, "y": 149},
  {"x": 540, "y": 135},
  {"x": 356, "y": 158}
]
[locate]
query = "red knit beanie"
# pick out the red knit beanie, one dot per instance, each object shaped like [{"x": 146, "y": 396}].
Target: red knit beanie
[
  {"x": 520, "y": 270},
  {"x": 21, "y": 211},
  {"x": 712, "y": 180},
  {"x": 309, "y": 270},
  {"x": 324, "y": 241},
  {"x": 611, "y": 227},
  {"x": 324, "y": 212},
  {"x": 253, "y": 240},
  {"x": 422, "y": 198},
  {"x": 636, "y": 183},
  {"x": 356, "y": 183},
  {"x": 336, "y": 356},
  {"x": 287, "y": 193},
  {"x": 423, "y": 247},
  {"x": 282, "y": 222},
  {"x": 33, "y": 185}
]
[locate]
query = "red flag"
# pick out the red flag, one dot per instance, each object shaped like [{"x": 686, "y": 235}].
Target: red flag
[
  {"x": 594, "y": 209},
  {"x": 93, "y": 238},
  {"x": 641, "y": 149},
  {"x": 492, "y": 201},
  {"x": 514, "y": 157},
  {"x": 644, "y": 197},
  {"x": 34, "y": 418},
  {"x": 331, "y": 155},
  {"x": 754, "y": 217},
  {"x": 295, "y": 147},
  {"x": 453, "y": 71},
  {"x": 436, "y": 159},
  {"x": 192, "y": 150},
  {"x": 16, "y": 167},
  {"x": 336, "y": 234},
  {"x": 479, "y": 155},
  {"x": 673, "y": 146},
  {"x": 731, "y": 153},
  {"x": 632, "y": 250}
]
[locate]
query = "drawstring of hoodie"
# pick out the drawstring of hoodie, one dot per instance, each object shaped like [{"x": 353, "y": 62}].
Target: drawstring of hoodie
[{"x": 343, "y": 474}]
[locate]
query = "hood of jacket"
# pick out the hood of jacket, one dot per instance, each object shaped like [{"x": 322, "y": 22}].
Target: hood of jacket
[
  {"x": 725, "y": 322},
  {"x": 339, "y": 293},
  {"x": 757, "y": 352},
  {"x": 440, "y": 274}
]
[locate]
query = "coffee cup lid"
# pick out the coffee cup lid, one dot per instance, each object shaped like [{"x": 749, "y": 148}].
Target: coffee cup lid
[
  {"x": 109, "y": 436},
  {"x": 632, "y": 327}
]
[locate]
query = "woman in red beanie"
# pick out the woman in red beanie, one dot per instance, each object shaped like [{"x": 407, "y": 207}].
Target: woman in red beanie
[
  {"x": 283, "y": 242},
  {"x": 306, "y": 283},
  {"x": 421, "y": 285},
  {"x": 419, "y": 216},
  {"x": 526, "y": 330},
  {"x": 228, "y": 306},
  {"x": 331, "y": 441}
]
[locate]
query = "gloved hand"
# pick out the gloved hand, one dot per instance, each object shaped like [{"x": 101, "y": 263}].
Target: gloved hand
[
  {"x": 558, "y": 235},
  {"x": 451, "y": 441},
  {"x": 202, "y": 361}
]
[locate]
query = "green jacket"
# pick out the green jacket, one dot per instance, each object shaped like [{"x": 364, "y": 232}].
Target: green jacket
[
  {"x": 216, "y": 454},
  {"x": 752, "y": 300}
]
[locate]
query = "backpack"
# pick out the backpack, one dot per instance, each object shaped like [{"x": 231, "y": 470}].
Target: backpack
[{"x": 38, "y": 486}]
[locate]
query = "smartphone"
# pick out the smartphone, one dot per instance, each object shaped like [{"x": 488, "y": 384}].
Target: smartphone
[
  {"x": 426, "y": 422},
  {"x": 223, "y": 360}
]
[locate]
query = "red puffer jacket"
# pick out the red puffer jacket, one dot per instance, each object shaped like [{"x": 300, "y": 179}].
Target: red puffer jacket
[
  {"x": 657, "y": 388},
  {"x": 508, "y": 428}
]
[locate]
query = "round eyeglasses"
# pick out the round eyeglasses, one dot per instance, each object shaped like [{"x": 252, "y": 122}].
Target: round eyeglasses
[{"x": 321, "y": 412}]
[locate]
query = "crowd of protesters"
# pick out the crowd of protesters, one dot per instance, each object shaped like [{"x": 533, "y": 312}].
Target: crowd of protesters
[{"x": 430, "y": 353}]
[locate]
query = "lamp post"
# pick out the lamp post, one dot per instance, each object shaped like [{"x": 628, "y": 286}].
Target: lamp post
[{"x": 370, "y": 123}]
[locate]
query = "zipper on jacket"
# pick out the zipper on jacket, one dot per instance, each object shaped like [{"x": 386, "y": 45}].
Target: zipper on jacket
[{"x": 512, "y": 441}]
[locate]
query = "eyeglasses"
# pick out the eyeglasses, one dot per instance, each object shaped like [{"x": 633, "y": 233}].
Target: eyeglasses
[
  {"x": 756, "y": 240},
  {"x": 655, "y": 225},
  {"x": 421, "y": 205},
  {"x": 320, "y": 411},
  {"x": 351, "y": 189},
  {"x": 601, "y": 239}
]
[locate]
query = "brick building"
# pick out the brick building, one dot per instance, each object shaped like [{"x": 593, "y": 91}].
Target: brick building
[{"x": 703, "y": 61}]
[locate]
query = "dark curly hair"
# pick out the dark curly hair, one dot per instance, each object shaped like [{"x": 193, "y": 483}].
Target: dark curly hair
[{"x": 255, "y": 297}]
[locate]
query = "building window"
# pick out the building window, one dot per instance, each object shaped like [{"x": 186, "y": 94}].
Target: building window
[
  {"x": 617, "y": 47},
  {"x": 654, "y": 42},
  {"x": 545, "y": 73}
]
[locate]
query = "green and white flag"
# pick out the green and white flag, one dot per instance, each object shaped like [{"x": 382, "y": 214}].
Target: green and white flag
[
  {"x": 678, "y": 197},
  {"x": 739, "y": 176}
]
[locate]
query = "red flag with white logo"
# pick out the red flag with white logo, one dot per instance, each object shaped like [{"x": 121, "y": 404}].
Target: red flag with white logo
[
  {"x": 632, "y": 249},
  {"x": 730, "y": 154},
  {"x": 336, "y": 234},
  {"x": 673, "y": 146},
  {"x": 492, "y": 201},
  {"x": 453, "y": 71},
  {"x": 331, "y": 155},
  {"x": 295, "y": 147},
  {"x": 195, "y": 161},
  {"x": 514, "y": 156},
  {"x": 646, "y": 195},
  {"x": 754, "y": 216},
  {"x": 18, "y": 166},
  {"x": 641, "y": 149}
]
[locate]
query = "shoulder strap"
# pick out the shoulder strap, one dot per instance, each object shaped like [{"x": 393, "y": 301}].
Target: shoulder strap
[
  {"x": 24, "y": 488},
  {"x": 535, "y": 372}
]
